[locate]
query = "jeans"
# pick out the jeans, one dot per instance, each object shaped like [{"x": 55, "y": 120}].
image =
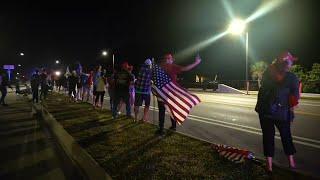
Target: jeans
[
  {"x": 162, "y": 113},
  {"x": 35, "y": 95},
  {"x": 44, "y": 91},
  {"x": 268, "y": 132},
  {"x": 125, "y": 96}
]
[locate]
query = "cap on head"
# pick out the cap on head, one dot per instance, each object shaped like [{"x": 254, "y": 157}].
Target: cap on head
[{"x": 148, "y": 62}]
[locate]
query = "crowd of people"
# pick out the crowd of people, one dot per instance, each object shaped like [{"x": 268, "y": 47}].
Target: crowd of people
[{"x": 277, "y": 97}]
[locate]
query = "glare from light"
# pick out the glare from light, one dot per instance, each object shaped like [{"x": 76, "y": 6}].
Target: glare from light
[
  {"x": 228, "y": 8},
  {"x": 21, "y": 54},
  {"x": 19, "y": 65},
  {"x": 192, "y": 50},
  {"x": 57, "y": 73},
  {"x": 237, "y": 27},
  {"x": 104, "y": 53},
  {"x": 57, "y": 61},
  {"x": 18, "y": 73},
  {"x": 265, "y": 8}
]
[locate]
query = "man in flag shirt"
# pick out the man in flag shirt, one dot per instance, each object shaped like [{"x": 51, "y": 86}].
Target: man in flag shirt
[{"x": 169, "y": 93}]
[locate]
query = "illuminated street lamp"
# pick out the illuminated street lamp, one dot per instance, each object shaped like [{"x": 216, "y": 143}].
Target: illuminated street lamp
[
  {"x": 19, "y": 65},
  {"x": 57, "y": 73},
  {"x": 105, "y": 53},
  {"x": 237, "y": 27},
  {"x": 57, "y": 62},
  {"x": 21, "y": 54}
]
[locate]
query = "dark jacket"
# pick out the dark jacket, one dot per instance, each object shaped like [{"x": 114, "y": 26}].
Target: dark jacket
[
  {"x": 274, "y": 97},
  {"x": 35, "y": 81}
]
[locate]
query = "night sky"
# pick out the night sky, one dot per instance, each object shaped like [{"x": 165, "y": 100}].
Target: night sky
[{"x": 135, "y": 30}]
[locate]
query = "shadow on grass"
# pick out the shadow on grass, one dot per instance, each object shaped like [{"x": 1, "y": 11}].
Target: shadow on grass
[
  {"x": 19, "y": 133},
  {"x": 6, "y": 128},
  {"x": 16, "y": 120},
  {"x": 17, "y": 150},
  {"x": 31, "y": 172},
  {"x": 88, "y": 141},
  {"x": 90, "y": 123},
  {"x": 121, "y": 161}
]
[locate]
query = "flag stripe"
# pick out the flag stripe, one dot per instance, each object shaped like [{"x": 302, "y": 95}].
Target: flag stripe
[
  {"x": 176, "y": 99},
  {"x": 171, "y": 104},
  {"x": 194, "y": 100},
  {"x": 189, "y": 103}
]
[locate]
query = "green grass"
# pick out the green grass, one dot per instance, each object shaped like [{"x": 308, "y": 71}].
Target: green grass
[{"x": 128, "y": 150}]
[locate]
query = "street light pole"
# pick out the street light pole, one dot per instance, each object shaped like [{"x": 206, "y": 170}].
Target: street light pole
[
  {"x": 247, "y": 57},
  {"x": 112, "y": 61},
  {"x": 237, "y": 27}
]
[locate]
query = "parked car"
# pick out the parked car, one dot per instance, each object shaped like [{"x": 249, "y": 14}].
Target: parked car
[{"x": 210, "y": 85}]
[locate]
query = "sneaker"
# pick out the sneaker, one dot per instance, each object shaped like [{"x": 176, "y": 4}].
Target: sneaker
[
  {"x": 160, "y": 132},
  {"x": 130, "y": 117},
  {"x": 172, "y": 128}
]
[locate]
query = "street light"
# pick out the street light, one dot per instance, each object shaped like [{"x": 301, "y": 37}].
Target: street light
[
  {"x": 237, "y": 27},
  {"x": 57, "y": 61},
  {"x": 21, "y": 54},
  {"x": 105, "y": 53},
  {"x": 19, "y": 65},
  {"x": 57, "y": 73}
]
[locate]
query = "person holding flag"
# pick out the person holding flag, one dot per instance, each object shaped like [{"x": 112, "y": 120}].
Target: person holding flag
[{"x": 178, "y": 101}]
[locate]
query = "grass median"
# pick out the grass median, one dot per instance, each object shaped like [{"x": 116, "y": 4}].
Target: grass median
[{"x": 129, "y": 150}]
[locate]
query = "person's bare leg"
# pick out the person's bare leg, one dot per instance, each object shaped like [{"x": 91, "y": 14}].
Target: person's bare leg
[
  {"x": 292, "y": 163},
  {"x": 269, "y": 163},
  {"x": 145, "y": 113}
]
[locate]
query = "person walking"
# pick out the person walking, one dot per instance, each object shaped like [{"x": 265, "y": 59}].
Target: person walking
[
  {"x": 73, "y": 80},
  {"x": 43, "y": 85},
  {"x": 172, "y": 70},
  {"x": 111, "y": 88},
  {"x": 35, "y": 82},
  {"x": 143, "y": 90},
  {"x": 100, "y": 90},
  {"x": 4, "y": 83},
  {"x": 277, "y": 97},
  {"x": 122, "y": 79}
]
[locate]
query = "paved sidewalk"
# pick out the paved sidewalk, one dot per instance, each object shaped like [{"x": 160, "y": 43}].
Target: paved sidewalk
[{"x": 26, "y": 152}]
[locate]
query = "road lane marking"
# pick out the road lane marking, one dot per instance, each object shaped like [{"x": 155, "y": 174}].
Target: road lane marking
[
  {"x": 239, "y": 126},
  {"x": 252, "y": 107},
  {"x": 248, "y": 129},
  {"x": 258, "y": 133}
]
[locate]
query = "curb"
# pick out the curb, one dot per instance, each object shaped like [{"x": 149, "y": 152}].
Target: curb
[{"x": 79, "y": 158}]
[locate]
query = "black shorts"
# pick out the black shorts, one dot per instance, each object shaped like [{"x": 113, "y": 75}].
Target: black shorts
[{"x": 142, "y": 97}]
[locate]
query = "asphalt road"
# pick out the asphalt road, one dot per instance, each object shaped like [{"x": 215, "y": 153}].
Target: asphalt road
[{"x": 231, "y": 119}]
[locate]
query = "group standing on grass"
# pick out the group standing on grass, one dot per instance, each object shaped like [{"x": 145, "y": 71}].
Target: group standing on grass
[{"x": 277, "y": 97}]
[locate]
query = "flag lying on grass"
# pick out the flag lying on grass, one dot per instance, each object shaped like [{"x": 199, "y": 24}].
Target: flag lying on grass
[
  {"x": 178, "y": 101},
  {"x": 233, "y": 154}
]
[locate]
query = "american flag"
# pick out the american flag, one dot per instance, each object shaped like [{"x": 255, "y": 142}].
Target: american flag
[{"x": 177, "y": 100}]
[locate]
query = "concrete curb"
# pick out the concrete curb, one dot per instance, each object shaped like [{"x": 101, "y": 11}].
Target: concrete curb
[{"x": 83, "y": 162}]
